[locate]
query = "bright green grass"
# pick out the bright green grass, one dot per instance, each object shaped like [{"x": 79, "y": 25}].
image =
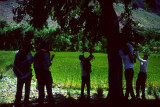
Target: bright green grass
[
  {"x": 66, "y": 69},
  {"x": 6, "y": 59}
]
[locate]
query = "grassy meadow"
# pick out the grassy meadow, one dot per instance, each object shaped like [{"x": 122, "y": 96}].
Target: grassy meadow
[{"x": 66, "y": 70}]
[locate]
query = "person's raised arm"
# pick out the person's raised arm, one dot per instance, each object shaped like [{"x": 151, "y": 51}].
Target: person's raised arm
[
  {"x": 52, "y": 56},
  {"x": 90, "y": 56},
  {"x": 140, "y": 59}
]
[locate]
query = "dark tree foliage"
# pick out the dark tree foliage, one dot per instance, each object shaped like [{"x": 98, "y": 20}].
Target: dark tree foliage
[
  {"x": 130, "y": 30},
  {"x": 151, "y": 3},
  {"x": 3, "y": 24},
  {"x": 38, "y": 10},
  {"x": 75, "y": 16},
  {"x": 13, "y": 39}
]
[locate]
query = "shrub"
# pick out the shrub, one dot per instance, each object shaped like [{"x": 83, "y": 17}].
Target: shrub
[{"x": 3, "y": 24}]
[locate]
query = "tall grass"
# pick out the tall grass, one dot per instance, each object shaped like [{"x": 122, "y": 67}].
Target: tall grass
[
  {"x": 66, "y": 70},
  {"x": 6, "y": 61}
]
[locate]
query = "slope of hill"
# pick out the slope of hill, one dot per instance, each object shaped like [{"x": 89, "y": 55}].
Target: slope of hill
[
  {"x": 144, "y": 18},
  {"x": 6, "y": 14},
  {"x": 155, "y": 8}
]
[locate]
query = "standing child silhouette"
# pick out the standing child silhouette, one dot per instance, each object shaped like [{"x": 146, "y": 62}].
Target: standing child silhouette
[
  {"x": 85, "y": 73},
  {"x": 142, "y": 75}
]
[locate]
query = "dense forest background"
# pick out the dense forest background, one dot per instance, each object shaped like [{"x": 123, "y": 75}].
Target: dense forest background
[{"x": 146, "y": 16}]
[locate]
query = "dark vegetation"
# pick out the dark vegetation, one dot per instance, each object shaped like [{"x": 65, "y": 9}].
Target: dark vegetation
[
  {"x": 12, "y": 36},
  {"x": 84, "y": 25}
]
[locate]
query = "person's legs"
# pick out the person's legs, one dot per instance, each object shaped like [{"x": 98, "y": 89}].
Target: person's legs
[
  {"x": 19, "y": 91},
  {"x": 27, "y": 89},
  {"x": 127, "y": 84},
  {"x": 82, "y": 86},
  {"x": 131, "y": 86},
  {"x": 129, "y": 77},
  {"x": 88, "y": 86},
  {"x": 143, "y": 85},
  {"x": 41, "y": 91},
  {"x": 48, "y": 83},
  {"x": 137, "y": 86}
]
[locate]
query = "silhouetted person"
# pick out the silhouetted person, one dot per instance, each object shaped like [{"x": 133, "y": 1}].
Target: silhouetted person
[
  {"x": 85, "y": 73},
  {"x": 42, "y": 62},
  {"x": 142, "y": 75},
  {"x": 23, "y": 72},
  {"x": 126, "y": 54}
]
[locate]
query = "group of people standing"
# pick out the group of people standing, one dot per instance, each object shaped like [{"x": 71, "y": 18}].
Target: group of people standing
[
  {"x": 42, "y": 61},
  {"x": 126, "y": 53},
  {"x": 22, "y": 69}
]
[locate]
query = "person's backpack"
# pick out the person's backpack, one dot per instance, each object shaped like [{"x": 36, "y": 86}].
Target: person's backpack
[{"x": 87, "y": 65}]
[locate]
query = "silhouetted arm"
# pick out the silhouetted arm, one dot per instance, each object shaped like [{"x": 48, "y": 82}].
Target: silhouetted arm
[
  {"x": 52, "y": 57},
  {"x": 140, "y": 59},
  {"x": 90, "y": 57}
]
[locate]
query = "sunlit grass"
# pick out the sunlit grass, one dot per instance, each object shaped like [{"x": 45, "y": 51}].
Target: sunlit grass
[{"x": 66, "y": 70}]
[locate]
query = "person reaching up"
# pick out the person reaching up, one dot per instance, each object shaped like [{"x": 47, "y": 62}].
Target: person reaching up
[
  {"x": 142, "y": 75},
  {"x": 126, "y": 53},
  {"x": 85, "y": 73}
]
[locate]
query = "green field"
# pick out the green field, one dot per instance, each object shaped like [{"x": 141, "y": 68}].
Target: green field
[{"x": 66, "y": 70}]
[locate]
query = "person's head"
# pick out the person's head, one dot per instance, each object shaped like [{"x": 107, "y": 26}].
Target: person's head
[
  {"x": 26, "y": 48},
  {"x": 125, "y": 49},
  {"x": 81, "y": 57},
  {"x": 145, "y": 56}
]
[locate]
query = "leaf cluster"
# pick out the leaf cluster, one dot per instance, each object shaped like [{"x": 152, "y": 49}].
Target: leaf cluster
[{"x": 36, "y": 11}]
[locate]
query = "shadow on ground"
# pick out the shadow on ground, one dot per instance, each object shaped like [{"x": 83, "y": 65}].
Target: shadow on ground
[{"x": 60, "y": 100}]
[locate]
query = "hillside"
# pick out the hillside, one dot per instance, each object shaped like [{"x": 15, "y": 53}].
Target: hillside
[
  {"x": 145, "y": 19},
  {"x": 155, "y": 9},
  {"x": 6, "y": 14}
]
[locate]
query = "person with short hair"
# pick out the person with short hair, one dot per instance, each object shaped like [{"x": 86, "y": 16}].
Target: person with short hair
[
  {"x": 85, "y": 73},
  {"x": 42, "y": 62},
  {"x": 142, "y": 75},
  {"x": 22, "y": 70}
]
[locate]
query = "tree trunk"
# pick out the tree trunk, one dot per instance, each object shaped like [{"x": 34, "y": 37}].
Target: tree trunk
[
  {"x": 115, "y": 71},
  {"x": 114, "y": 59}
]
